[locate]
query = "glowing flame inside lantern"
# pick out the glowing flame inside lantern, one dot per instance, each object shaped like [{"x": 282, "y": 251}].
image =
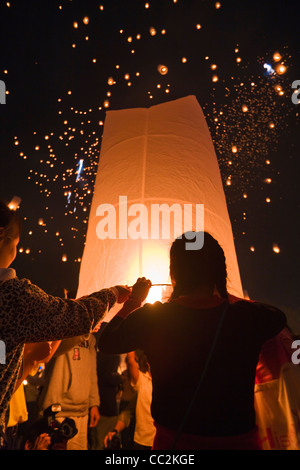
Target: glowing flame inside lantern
[{"x": 153, "y": 263}]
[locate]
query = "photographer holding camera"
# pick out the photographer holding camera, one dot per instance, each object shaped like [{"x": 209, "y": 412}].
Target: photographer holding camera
[
  {"x": 47, "y": 433},
  {"x": 71, "y": 381}
]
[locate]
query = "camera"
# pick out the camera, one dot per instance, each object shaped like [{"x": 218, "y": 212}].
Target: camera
[
  {"x": 58, "y": 432},
  {"x": 114, "y": 443}
]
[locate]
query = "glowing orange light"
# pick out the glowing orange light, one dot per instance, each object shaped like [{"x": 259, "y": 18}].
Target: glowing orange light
[
  {"x": 281, "y": 69},
  {"x": 162, "y": 69},
  {"x": 277, "y": 57}
]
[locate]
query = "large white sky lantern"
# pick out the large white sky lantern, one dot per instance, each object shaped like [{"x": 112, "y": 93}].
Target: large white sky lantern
[{"x": 158, "y": 176}]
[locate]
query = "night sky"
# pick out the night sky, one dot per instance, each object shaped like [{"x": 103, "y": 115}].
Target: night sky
[{"x": 65, "y": 63}]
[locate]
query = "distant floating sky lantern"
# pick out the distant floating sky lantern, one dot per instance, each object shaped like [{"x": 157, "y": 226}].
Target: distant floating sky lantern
[
  {"x": 252, "y": 248},
  {"x": 86, "y": 20},
  {"x": 271, "y": 125},
  {"x": 218, "y": 5},
  {"x": 184, "y": 60},
  {"x": 14, "y": 203},
  {"x": 198, "y": 26},
  {"x": 110, "y": 81},
  {"x": 215, "y": 78},
  {"x": 276, "y": 248},
  {"x": 75, "y": 24},
  {"x": 234, "y": 149},
  {"x": 64, "y": 258},
  {"x": 162, "y": 69},
  {"x": 277, "y": 57},
  {"x": 213, "y": 66},
  {"x": 245, "y": 109},
  {"x": 152, "y": 31},
  {"x": 106, "y": 104},
  {"x": 281, "y": 69}
]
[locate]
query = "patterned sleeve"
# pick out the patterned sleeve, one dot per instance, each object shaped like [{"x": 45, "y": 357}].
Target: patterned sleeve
[{"x": 31, "y": 315}]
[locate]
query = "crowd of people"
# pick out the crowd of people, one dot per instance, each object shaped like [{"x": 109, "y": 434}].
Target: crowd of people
[{"x": 172, "y": 375}]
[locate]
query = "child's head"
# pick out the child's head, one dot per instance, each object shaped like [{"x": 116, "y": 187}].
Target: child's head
[
  {"x": 191, "y": 269},
  {"x": 10, "y": 224},
  {"x": 10, "y": 230},
  {"x": 142, "y": 361}
]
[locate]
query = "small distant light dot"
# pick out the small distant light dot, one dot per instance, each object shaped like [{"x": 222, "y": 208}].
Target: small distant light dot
[{"x": 277, "y": 57}]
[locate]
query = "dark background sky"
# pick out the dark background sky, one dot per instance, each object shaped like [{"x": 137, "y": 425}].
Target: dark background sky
[{"x": 39, "y": 66}]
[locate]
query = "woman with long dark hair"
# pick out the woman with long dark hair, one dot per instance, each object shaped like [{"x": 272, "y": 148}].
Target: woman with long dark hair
[{"x": 203, "y": 348}]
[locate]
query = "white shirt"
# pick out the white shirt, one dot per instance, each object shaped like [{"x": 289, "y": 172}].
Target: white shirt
[{"x": 144, "y": 428}]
